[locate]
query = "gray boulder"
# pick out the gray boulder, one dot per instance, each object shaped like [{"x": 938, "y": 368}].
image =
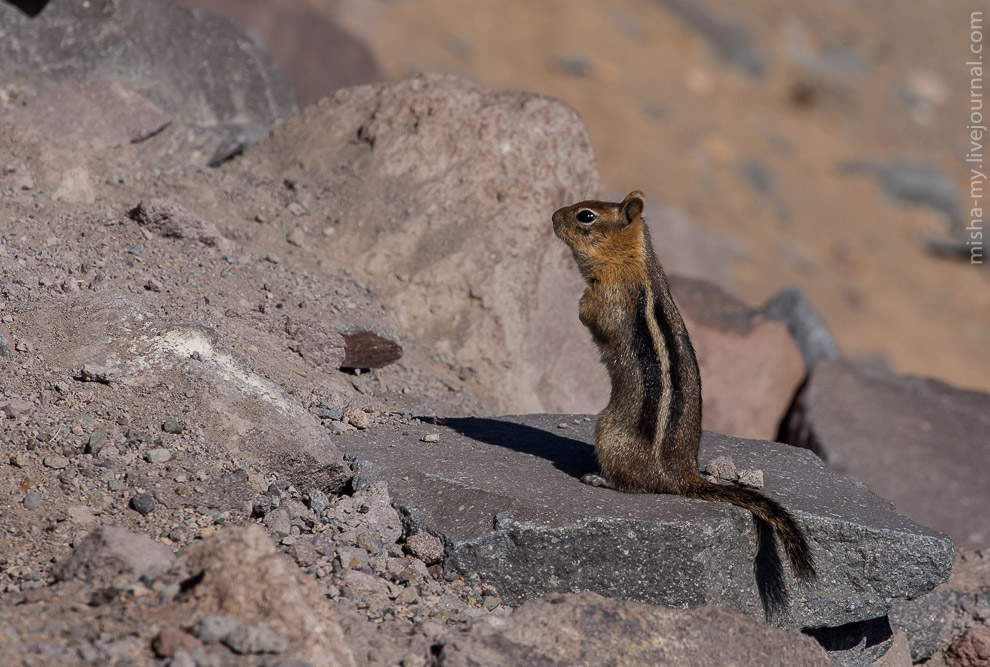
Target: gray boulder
[
  {"x": 184, "y": 61},
  {"x": 919, "y": 442},
  {"x": 504, "y": 495}
]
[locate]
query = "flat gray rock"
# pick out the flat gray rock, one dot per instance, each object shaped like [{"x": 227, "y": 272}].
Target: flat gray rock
[{"x": 505, "y": 496}]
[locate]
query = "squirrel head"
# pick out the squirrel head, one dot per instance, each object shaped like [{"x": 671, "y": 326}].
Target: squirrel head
[{"x": 598, "y": 231}]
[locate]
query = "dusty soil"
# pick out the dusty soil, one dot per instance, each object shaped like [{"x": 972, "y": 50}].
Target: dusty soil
[{"x": 759, "y": 158}]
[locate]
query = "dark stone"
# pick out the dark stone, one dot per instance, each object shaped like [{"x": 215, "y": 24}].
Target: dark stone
[
  {"x": 919, "y": 442},
  {"x": 504, "y": 495},
  {"x": 143, "y": 503}
]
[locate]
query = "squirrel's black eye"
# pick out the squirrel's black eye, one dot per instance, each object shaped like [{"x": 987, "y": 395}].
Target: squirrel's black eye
[{"x": 586, "y": 217}]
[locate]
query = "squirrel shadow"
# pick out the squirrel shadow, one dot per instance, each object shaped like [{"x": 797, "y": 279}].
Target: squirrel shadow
[
  {"x": 569, "y": 455},
  {"x": 577, "y": 458}
]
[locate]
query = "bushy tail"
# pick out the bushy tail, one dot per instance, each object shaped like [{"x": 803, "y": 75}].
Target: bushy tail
[{"x": 771, "y": 518}]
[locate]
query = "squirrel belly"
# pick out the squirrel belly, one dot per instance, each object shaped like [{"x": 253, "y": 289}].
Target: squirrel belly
[{"x": 647, "y": 437}]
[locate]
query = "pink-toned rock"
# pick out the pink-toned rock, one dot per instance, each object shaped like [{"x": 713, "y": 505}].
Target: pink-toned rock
[
  {"x": 442, "y": 191},
  {"x": 750, "y": 367},
  {"x": 245, "y": 578},
  {"x": 171, "y": 640},
  {"x": 972, "y": 649},
  {"x": 171, "y": 220}
]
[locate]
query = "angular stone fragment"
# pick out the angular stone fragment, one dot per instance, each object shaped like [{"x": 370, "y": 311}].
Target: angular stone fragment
[{"x": 505, "y": 496}]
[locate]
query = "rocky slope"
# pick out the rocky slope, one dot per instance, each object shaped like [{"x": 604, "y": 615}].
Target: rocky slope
[{"x": 202, "y": 368}]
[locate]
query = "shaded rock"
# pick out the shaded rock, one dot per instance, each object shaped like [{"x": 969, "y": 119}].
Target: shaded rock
[
  {"x": 919, "y": 442},
  {"x": 245, "y": 578},
  {"x": 97, "y": 114},
  {"x": 923, "y": 621},
  {"x": 171, "y": 220},
  {"x": 434, "y": 157},
  {"x": 793, "y": 310},
  {"x": 111, "y": 550},
  {"x": 505, "y": 496},
  {"x": 178, "y": 58},
  {"x": 315, "y": 53},
  {"x": 750, "y": 367},
  {"x": 855, "y": 644},
  {"x": 588, "y": 629}
]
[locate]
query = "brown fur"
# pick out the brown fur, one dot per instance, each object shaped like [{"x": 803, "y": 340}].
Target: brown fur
[{"x": 645, "y": 346}]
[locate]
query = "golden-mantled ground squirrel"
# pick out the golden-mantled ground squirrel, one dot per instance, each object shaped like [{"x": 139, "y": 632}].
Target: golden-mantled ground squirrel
[{"x": 647, "y": 437}]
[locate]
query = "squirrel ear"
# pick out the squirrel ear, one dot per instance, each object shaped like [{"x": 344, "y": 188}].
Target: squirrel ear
[{"x": 633, "y": 206}]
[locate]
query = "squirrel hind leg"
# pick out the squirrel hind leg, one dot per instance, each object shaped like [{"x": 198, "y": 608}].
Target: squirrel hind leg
[{"x": 594, "y": 479}]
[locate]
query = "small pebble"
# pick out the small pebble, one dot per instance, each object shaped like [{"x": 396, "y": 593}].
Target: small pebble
[
  {"x": 722, "y": 467},
  {"x": 357, "y": 418},
  {"x": 213, "y": 629},
  {"x": 753, "y": 478},
  {"x": 158, "y": 455},
  {"x": 252, "y": 640},
  {"x": 143, "y": 503},
  {"x": 32, "y": 500},
  {"x": 431, "y": 437},
  {"x": 56, "y": 462},
  {"x": 317, "y": 501},
  {"x": 172, "y": 426},
  {"x": 96, "y": 440}
]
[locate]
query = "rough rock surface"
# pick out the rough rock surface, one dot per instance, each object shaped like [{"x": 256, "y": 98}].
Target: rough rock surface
[
  {"x": 588, "y": 629},
  {"x": 96, "y": 113},
  {"x": 917, "y": 442},
  {"x": 277, "y": 597},
  {"x": 750, "y": 366},
  {"x": 504, "y": 494},
  {"x": 179, "y": 58},
  {"x": 440, "y": 192}
]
